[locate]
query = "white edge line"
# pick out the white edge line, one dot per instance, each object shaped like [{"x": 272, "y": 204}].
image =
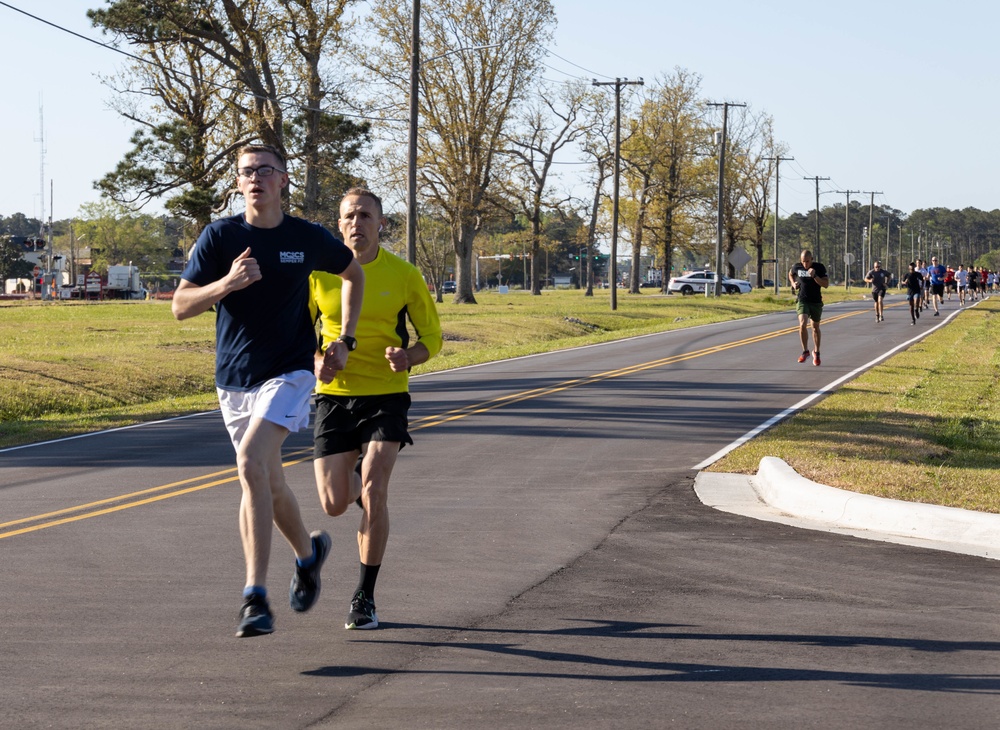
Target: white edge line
[
  {"x": 110, "y": 430},
  {"x": 825, "y": 389}
]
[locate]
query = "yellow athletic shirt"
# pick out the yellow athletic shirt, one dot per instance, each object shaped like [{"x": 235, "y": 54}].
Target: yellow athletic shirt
[{"x": 394, "y": 292}]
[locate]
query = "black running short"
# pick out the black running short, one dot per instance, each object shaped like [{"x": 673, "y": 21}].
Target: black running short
[{"x": 346, "y": 424}]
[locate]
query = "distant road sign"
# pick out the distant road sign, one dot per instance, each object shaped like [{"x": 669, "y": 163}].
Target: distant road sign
[
  {"x": 739, "y": 258},
  {"x": 769, "y": 261},
  {"x": 848, "y": 258},
  {"x": 36, "y": 271}
]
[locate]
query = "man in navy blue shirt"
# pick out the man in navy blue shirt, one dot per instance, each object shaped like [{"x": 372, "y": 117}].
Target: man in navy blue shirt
[{"x": 254, "y": 269}]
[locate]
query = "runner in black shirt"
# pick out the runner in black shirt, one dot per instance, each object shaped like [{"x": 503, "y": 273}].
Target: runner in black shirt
[
  {"x": 914, "y": 283},
  {"x": 808, "y": 279}
]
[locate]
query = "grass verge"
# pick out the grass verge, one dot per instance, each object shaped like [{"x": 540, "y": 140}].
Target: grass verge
[{"x": 922, "y": 426}]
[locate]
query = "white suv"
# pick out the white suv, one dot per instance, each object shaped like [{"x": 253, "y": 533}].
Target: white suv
[{"x": 692, "y": 282}]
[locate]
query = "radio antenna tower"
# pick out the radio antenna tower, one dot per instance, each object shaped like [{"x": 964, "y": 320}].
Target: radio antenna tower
[{"x": 41, "y": 148}]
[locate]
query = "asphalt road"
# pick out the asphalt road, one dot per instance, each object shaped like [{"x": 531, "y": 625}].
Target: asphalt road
[{"x": 549, "y": 566}]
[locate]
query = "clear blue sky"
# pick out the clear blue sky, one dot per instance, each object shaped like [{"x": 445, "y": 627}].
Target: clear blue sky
[{"x": 887, "y": 96}]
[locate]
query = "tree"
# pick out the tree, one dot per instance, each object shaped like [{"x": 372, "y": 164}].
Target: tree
[
  {"x": 116, "y": 235},
  {"x": 218, "y": 75},
  {"x": 466, "y": 101},
  {"x": 597, "y": 148},
  {"x": 336, "y": 142},
  {"x": 668, "y": 156},
  {"x": 12, "y": 263},
  {"x": 326, "y": 142},
  {"x": 433, "y": 249},
  {"x": 761, "y": 162},
  {"x": 18, "y": 224},
  {"x": 546, "y": 126},
  {"x": 742, "y": 174}
]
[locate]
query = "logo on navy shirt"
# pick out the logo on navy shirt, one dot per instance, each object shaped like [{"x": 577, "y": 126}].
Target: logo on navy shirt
[{"x": 292, "y": 257}]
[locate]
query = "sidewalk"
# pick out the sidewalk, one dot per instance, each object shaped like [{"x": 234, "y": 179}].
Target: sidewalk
[{"x": 778, "y": 494}]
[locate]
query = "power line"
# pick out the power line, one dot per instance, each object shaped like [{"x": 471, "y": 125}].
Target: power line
[
  {"x": 146, "y": 61},
  {"x": 592, "y": 73}
]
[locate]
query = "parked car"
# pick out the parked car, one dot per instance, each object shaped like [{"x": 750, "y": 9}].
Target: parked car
[
  {"x": 448, "y": 287},
  {"x": 693, "y": 282}
]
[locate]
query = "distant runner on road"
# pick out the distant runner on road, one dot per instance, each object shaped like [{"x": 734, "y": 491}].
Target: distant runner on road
[
  {"x": 962, "y": 279},
  {"x": 879, "y": 279},
  {"x": 935, "y": 273},
  {"x": 808, "y": 278},
  {"x": 914, "y": 284}
]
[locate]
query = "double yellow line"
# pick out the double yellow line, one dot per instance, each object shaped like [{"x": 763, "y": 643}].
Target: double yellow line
[
  {"x": 127, "y": 501},
  {"x": 227, "y": 476}
]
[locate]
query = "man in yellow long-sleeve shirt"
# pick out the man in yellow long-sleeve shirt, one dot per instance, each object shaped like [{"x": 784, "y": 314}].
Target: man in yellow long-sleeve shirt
[{"x": 361, "y": 411}]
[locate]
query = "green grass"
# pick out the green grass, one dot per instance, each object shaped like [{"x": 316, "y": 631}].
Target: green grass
[
  {"x": 923, "y": 426},
  {"x": 71, "y": 367}
]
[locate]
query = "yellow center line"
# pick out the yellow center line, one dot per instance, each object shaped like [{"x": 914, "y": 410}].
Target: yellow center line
[{"x": 140, "y": 498}]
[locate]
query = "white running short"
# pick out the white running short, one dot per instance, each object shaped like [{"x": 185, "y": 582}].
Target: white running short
[{"x": 283, "y": 400}]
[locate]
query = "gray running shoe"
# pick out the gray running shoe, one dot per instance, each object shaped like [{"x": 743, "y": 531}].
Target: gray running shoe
[
  {"x": 255, "y": 617},
  {"x": 304, "y": 590},
  {"x": 362, "y": 615}
]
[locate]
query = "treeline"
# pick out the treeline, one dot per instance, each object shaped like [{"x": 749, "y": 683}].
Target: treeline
[
  {"x": 969, "y": 236},
  {"x": 329, "y": 84},
  {"x": 107, "y": 233}
]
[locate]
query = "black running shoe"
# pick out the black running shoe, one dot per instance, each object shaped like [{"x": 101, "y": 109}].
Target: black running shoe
[
  {"x": 304, "y": 590},
  {"x": 362, "y": 615},
  {"x": 255, "y": 617}
]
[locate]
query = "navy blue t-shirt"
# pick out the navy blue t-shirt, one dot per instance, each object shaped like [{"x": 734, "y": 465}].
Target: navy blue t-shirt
[{"x": 264, "y": 330}]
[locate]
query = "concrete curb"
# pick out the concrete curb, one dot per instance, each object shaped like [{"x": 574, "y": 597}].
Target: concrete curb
[
  {"x": 780, "y": 486},
  {"x": 778, "y": 494}
]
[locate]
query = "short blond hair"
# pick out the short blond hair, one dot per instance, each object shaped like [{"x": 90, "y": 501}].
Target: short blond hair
[
  {"x": 250, "y": 149},
  {"x": 362, "y": 192}
]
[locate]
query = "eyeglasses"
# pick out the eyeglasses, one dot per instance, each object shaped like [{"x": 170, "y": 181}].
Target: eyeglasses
[{"x": 262, "y": 171}]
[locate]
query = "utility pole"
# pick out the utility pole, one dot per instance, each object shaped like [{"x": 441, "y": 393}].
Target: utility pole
[
  {"x": 411, "y": 168},
  {"x": 777, "y": 182},
  {"x": 888, "y": 227},
  {"x": 613, "y": 261},
  {"x": 816, "y": 252},
  {"x": 871, "y": 220},
  {"x": 717, "y": 288},
  {"x": 899, "y": 262},
  {"x": 847, "y": 220}
]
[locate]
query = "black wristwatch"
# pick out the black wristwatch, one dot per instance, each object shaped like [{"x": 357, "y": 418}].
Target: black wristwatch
[{"x": 352, "y": 344}]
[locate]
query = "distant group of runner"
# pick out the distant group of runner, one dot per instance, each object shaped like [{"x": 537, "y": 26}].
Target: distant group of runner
[
  {"x": 928, "y": 286},
  {"x": 925, "y": 286}
]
